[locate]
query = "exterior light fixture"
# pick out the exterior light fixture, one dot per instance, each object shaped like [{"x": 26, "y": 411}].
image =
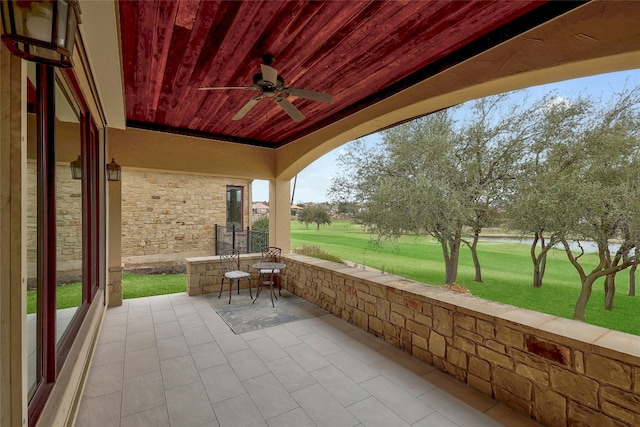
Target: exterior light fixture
[
  {"x": 42, "y": 31},
  {"x": 76, "y": 168},
  {"x": 113, "y": 171}
]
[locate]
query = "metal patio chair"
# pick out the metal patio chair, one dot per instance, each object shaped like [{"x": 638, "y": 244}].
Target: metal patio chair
[
  {"x": 272, "y": 254},
  {"x": 230, "y": 266}
]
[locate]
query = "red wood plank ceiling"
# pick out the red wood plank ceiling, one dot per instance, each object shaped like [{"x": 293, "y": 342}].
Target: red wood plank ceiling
[{"x": 358, "y": 51}]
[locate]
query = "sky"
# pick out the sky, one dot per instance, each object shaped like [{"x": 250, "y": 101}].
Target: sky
[{"x": 314, "y": 181}]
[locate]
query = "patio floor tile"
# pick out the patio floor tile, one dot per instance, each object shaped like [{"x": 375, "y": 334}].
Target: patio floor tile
[
  {"x": 172, "y": 361},
  {"x": 221, "y": 383},
  {"x": 295, "y": 418},
  {"x": 247, "y": 364},
  {"x": 323, "y": 408},
  {"x": 398, "y": 400},
  {"x": 269, "y": 396},
  {"x": 157, "y": 416},
  {"x": 178, "y": 371},
  {"x": 188, "y": 406},
  {"x": 267, "y": 349},
  {"x": 372, "y": 413},
  {"x": 208, "y": 355},
  {"x": 239, "y": 411},
  {"x": 142, "y": 392},
  {"x": 290, "y": 374},
  {"x": 141, "y": 362},
  {"x": 339, "y": 385}
]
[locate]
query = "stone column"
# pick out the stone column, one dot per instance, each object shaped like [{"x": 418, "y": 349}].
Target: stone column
[
  {"x": 114, "y": 241},
  {"x": 280, "y": 214},
  {"x": 13, "y": 287}
]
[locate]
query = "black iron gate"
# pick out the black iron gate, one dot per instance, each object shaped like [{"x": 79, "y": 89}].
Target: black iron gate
[{"x": 245, "y": 240}]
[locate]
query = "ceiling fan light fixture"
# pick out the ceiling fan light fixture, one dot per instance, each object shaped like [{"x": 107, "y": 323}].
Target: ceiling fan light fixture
[{"x": 271, "y": 85}]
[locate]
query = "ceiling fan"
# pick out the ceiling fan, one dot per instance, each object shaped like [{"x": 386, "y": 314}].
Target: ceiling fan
[{"x": 271, "y": 85}]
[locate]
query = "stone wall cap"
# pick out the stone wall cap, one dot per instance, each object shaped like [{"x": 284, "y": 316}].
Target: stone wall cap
[
  {"x": 620, "y": 342},
  {"x": 527, "y": 317},
  {"x": 202, "y": 259},
  {"x": 574, "y": 329}
]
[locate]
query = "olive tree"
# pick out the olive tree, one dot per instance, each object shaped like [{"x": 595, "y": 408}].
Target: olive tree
[
  {"x": 408, "y": 184},
  {"x": 493, "y": 136},
  {"x": 609, "y": 157},
  {"x": 543, "y": 203}
]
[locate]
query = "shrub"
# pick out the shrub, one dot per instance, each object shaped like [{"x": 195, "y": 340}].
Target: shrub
[
  {"x": 316, "y": 252},
  {"x": 261, "y": 224}
]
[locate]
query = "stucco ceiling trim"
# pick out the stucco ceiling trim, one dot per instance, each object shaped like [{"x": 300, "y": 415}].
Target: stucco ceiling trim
[
  {"x": 100, "y": 34},
  {"x": 169, "y": 152}
]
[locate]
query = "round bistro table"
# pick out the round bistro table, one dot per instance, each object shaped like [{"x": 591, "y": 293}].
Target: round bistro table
[{"x": 267, "y": 265}]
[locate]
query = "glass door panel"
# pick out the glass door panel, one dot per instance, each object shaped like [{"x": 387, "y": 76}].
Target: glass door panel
[
  {"x": 69, "y": 213},
  {"x": 34, "y": 350}
]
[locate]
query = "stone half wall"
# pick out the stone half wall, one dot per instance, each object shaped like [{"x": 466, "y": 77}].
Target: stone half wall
[
  {"x": 169, "y": 216},
  {"x": 204, "y": 275},
  {"x": 557, "y": 371}
]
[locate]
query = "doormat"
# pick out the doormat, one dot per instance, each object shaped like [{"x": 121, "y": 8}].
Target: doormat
[{"x": 242, "y": 315}]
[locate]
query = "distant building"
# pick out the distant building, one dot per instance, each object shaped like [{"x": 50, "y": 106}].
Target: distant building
[{"x": 260, "y": 208}]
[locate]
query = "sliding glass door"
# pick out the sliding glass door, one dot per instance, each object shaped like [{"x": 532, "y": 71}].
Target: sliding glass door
[{"x": 63, "y": 255}]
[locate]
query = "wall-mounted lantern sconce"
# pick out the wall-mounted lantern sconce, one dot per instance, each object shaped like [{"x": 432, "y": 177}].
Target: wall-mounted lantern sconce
[
  {"x": 76, "y": 168},
  {"x": 113, "y": 171},
  {"x": 41, "y": 30}
]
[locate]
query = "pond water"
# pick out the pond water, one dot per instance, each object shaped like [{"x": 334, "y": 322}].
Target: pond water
[{"x": 589, "y": 247}]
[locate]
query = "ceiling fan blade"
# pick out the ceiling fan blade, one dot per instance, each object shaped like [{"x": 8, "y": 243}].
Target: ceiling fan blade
[
  {"x": 248, "y": 106},
  {"x": 309, "y": 94},
  {"x": 269, "y": 74},
  {"x": 228, "y": 87},
  {"x": 288, "y": 107}
]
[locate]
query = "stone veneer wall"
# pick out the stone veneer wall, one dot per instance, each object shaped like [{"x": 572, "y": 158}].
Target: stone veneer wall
[
  {"x": 68, "y": 223},
  {"x": 557, "y": 371},
  {"x": 173, "y": 213},
  {"x": 203, "y": 273}
]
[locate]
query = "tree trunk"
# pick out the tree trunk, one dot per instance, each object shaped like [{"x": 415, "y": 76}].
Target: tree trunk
[
  {"x": 537, "y": 274},
  {"x": 583, "y": 299},
  {"x": 474, "y": 255},
  {"x": 451, "y": 270},
  {"x": 609, "y": 291},
  {"x": 451, "y": 254},
  {"x": 632, "y": 280},
  {"x": 539, "y": 260}
]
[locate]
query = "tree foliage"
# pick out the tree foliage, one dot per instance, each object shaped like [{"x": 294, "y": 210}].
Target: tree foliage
[
  {"x": 314, "y": 214},
  {"x": 435, "y": 176},
  {"x": 559, "y": 170},
  {"x": 544, "y": 200},
  {"x": 608, "y": 155}
]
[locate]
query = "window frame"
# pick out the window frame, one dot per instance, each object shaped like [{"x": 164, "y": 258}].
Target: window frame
[
  {"x": 240, "y": 190},
  {"x": 50, "y": 355}
]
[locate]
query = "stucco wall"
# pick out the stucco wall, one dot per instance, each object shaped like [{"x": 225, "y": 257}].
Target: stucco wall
[
  {"x": 166, "y": 214},
  {"x": 557, "y": 371}
]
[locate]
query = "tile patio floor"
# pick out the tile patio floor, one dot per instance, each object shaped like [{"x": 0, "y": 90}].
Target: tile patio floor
[{"x": 172, "y": 361}]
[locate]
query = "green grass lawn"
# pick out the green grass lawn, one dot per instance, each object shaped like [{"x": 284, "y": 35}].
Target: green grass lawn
[
  {"x": 507, "y": 272},
  {"x": 133, "y": 286}
]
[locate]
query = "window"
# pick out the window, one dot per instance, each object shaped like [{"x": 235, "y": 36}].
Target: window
[
  {"x": 234, "y": 206},
  {"x": 63, "y": 258}
]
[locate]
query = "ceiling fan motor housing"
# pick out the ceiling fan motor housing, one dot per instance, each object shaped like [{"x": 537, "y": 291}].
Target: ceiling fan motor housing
[{"x": 259, "y": 81}]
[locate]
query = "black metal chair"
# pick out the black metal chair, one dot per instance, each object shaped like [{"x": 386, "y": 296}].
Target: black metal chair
[
  {"x": 269, "y": 276},
  {"x": 230, "y": 267},
  {"x": 271, "y": 254}
]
